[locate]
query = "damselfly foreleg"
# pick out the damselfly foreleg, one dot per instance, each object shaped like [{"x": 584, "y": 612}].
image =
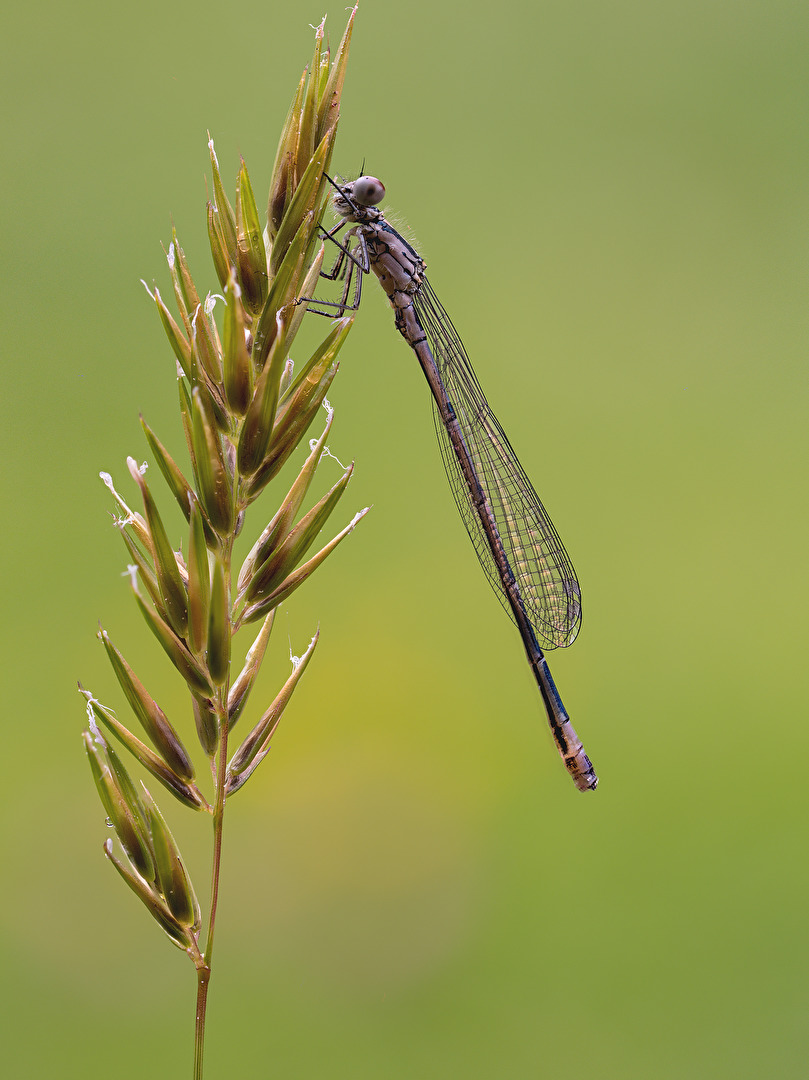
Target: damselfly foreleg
[{"x": 351, "y": 265}]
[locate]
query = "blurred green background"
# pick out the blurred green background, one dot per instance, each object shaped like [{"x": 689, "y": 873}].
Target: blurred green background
[{"x": 612, "y": 202}]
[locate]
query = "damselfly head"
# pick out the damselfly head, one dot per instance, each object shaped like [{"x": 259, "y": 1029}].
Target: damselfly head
[
  {"x": 354, "y": 196},
  {"x": 367, "y": 191}
]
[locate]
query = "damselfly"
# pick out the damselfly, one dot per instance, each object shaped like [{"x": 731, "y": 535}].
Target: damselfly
[{"x": 514, "y": 538}]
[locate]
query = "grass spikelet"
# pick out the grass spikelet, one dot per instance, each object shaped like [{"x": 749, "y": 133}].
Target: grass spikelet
[{"x": 243, "y": 415}]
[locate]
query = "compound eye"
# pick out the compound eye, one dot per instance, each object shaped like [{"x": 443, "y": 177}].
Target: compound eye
[{"x": 368, "y": 191}]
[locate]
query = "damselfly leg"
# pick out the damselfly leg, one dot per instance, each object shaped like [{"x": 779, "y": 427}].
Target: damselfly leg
[{"x": 350, "y": 267}]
